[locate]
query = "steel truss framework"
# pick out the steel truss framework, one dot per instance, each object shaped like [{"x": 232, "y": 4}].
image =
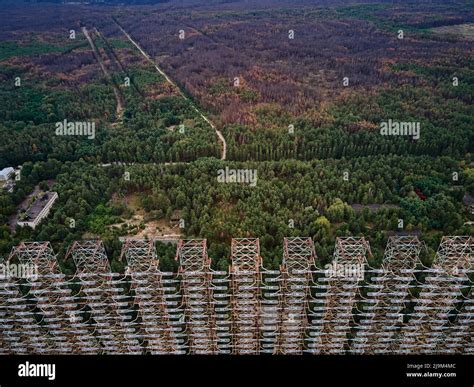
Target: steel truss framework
[
  {"x": 387, "y": 296},
  {"x": 345, "y": 307},
  {"x": 441, "y": 297},
  {"x": 107, "y": 307},
  {"x": 156, "y": 297},
  {"x": 299, "y": 259},
  {"x": 245, "y": 295},
  {"x": 340, "y": 288},
  {"x": 51, "y": 317},
  {"x": 198, "y": 296}
]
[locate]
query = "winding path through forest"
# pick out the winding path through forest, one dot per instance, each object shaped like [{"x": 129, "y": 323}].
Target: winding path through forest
[{"x": 148, "y": 58}]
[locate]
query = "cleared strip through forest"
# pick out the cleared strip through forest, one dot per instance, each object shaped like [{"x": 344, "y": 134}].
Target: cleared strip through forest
[
  {"x": 148, "y": 58},
  {"x": 112, "y": 55},
  {"x": 118, "y": 95}
]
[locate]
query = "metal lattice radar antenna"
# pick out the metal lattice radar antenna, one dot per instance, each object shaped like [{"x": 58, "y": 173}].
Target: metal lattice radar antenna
[
  {"x": 156, "y": 298},
  {"x": 341, "y": 308}
]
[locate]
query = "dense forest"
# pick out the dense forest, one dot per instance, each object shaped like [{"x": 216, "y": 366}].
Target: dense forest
[
  {"x": 304, "y": 113},
  {"x": 291, "y": 198}
]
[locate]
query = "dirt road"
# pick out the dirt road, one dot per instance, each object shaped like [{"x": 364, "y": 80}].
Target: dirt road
[{"x": 220, "y": 137}]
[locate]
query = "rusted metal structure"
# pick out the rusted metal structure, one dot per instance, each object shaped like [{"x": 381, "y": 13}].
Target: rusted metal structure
[
  {"x": 344, "y": 307},
  {"x": 387, "y": 296},
  {"x": 156, "y": 298},
  {"x": 341, "y": 280},
  {"x": 296, "y": 271},
  {"x": 245, "y": 281},
  {"x": 104, "y": 302}
]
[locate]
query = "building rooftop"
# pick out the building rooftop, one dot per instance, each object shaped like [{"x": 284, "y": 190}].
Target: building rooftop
[{"x": 6, "y": 171}]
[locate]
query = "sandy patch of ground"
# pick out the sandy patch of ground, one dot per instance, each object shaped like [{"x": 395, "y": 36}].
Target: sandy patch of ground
[{"x": 140, "y": 228}]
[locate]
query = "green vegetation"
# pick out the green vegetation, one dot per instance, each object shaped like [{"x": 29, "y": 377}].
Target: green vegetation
[
  {"x": 10, "y": 49},
  {"x": 291, "y": 198},
  {"x": 334, "y": 175}
]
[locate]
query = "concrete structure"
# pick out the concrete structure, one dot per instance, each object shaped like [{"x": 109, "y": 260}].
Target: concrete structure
[
  {"x": 6, "y": 173},
  {"x": 8, "y": 186},
  {"x": 38, "y": 210}
]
